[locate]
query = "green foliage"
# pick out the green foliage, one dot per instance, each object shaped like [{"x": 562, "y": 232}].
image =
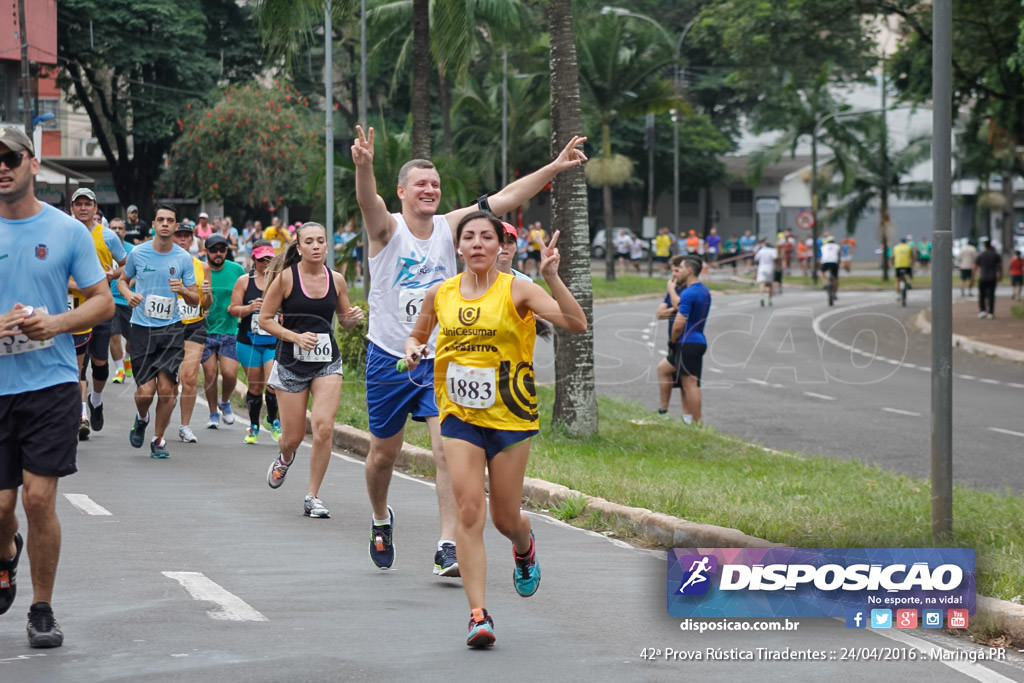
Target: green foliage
[
  {"x": 352, "y": 343},
  {"x": 255, "y": 147},
  {"x": 570, "y": 508}
]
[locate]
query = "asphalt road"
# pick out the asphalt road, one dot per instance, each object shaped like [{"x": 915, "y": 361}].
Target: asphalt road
[
  {"x": 192, "y": 569},
  {"x": 852, "y": 382}
]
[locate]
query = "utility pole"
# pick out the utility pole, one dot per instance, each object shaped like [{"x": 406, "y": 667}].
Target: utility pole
[{"x": 26, "y": 83}]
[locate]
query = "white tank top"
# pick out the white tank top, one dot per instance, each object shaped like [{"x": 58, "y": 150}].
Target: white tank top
[{"x": 400, "y": 275}]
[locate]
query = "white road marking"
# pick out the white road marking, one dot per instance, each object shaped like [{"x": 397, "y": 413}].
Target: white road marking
[
  {"x": 986, "y": 380},
  {"x": 897, "y": 411},
  {"x": 230, "y": 606},
  {"x": 1015, "y": 385},
  {"x": 821, "y": 396},
  {"x": 715, "y": 370},
  {"x": 966, "y": 377},
  {"x": 87, "y": 504},
  {"x": 757, "y": 381},
  {"x": 1006, "y": 431},
  {"x": 909, "y": 365}
]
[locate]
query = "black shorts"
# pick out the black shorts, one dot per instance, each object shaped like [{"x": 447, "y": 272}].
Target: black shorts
[
  {"x": 965, "y": 274},
  {"x": 81, "y": 342},
  {"x": 39, "y": 433},
  {"x": 688, "y": 360},
  {"x": 1017, "y": 280},
  {"x": 156, "y": 350},
  {"x": 832, "y": 268},
  {"x": 777, "y": 276},
  {"x": 122, "y": 320},
  {"x": 99, "y": 345},
  {"x": 533, "y": 255},
  {"x": 905, "y": 273},
  {"x": 196, "y": 332}
]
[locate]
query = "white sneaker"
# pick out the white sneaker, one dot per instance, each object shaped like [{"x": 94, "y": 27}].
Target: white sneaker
[
  {"x": 185, "y": 434},
  {"x": 214, "y": 421},
  {"x": 225, "y": 413},
  {"x": 990, "y": 316},
  {"x": 981, "y": 314}
]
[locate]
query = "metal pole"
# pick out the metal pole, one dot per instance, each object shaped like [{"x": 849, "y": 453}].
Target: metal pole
[
  {"x": 329, "y": 120},
  {"x": 942, "y": 275},
  {"x": 814, "y": 205},
  {"x": 504, "y": 115},
  {"x": 26, "y": 83}
]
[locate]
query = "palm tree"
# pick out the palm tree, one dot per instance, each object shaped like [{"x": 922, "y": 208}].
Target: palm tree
[
  {"x": 619, "y": 72},
  {"x": 575, "y": 406}
]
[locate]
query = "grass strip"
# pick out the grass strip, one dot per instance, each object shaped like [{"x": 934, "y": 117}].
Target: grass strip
[{"x": 645, "y": 460}]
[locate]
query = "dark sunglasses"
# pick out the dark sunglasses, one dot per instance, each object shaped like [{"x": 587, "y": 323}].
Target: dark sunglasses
[
  {"x": 265, "y": 259},
  {"x": 12, "y": 160},
  {"x": 218, "y": 250}
]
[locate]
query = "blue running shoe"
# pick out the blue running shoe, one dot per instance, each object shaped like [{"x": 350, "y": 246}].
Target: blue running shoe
[
  {"x": 481, "y": 629},
  {"x": 382, "y": 547},
  {"x": 226, "y": 416},
  {"x": 526, "y": 575}
]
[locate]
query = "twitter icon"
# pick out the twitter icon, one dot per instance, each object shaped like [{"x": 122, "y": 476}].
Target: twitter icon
[{"x": 881, "y": 618}]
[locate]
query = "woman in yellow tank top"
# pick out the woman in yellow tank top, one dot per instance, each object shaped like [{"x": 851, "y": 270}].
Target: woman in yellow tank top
[{"x": 483, "y": 379}]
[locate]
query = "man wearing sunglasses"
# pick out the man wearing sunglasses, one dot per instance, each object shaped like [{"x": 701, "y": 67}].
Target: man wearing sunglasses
[
  {"x": 193, "y": 320},
  {"x": 40, "y": 248},
  {"x": 221, "y": 331},
  {"x": 96, "y": 342}
]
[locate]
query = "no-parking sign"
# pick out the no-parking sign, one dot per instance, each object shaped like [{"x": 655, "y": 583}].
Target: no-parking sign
[{"x": 805, "y": 219}]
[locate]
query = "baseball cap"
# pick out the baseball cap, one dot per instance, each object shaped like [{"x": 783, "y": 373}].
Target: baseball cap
[
  {"x": 185, "y": 226},
  {"x": 16, "y": 140},
  {"x": 214, "y": 240},
  {"x": 510, "y": 229},
  {"x": 204, "y": 215},
  {"x": 84, "y": 192},
  {"x": 131, "y": 208},
  {"x": 261, "y": 252}
]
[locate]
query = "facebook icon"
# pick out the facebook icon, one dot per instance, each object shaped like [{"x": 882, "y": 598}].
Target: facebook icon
[{"x": 855, "y": 618}]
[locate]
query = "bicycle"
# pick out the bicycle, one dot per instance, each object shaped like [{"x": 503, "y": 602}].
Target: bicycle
[
  {"x": 903, "y": 292},
  {"x": 833, "y": 285}
]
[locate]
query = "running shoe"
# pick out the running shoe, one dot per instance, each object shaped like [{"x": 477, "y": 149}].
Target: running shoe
[
  {"x": 526, "y": 575},
  {"x": 138, "y": 433},
  {"x": 251, "y": 434},
  {"x": 83, "y": 429},
  {"x": 382, "y": 547},
  {"x": 278, "y": 470},
  {"x": 186, "y": 434},
  {"x": 95, "y": 415},
  {"x": 225, "y": 413},
  {"x": 214, "y": 421},
  {"x": 274, "y": 427},
  {"x": 127, "y": 367},
  {"x": 119, "y": 376},
  {"x": 481, "y": 629},
  {"x": 9, "y": 575},
  {"x": 43, "y": 629},
  {"x": 158, "y": 449},
  {"x": 314, "y": 507},
  {"x": 445, "y": 562}
]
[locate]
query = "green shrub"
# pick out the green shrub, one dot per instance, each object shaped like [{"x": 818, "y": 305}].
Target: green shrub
[{"x": 352, "y": 343}]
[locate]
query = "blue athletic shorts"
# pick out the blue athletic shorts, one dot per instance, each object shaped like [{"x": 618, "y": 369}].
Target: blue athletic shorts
[
  {"x": 493, "y": 441},
  {"x": 221, "y": 344},
  {"x": 391, "y": 396},
  {"x": 254, "y": 356}
]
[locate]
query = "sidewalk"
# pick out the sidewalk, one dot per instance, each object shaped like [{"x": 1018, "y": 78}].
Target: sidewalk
[{"x": 1002, "y": 337}]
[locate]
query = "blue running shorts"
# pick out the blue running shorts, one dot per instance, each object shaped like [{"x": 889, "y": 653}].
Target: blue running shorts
[
  {"x": 254, "y": 356},
  {"x": 492, "y": 441},
  {"x": 391, "y": 396}
]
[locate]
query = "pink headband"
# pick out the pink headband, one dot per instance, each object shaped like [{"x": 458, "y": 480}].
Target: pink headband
[{"x": 262, "y": 252}]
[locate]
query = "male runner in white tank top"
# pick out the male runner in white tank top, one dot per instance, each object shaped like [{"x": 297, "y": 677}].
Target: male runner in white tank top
[{"x": 408, "y": 252}]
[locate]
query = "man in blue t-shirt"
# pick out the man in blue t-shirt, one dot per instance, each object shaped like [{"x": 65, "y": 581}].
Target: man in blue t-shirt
[
  {"x": 688, "y": 336},
  {"x": 162, "y": 272},
  {"x": 40, "y": 248},
  {"x": 668, "y": 311}
]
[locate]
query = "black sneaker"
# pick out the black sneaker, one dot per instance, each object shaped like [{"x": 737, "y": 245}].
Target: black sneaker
[
  {"x": 382, "y": 548},
  {"x": 445, "y": 562},
  {"x": 95, "y": 415},
  {"x": 83, "y": 429},
  {"x": 43, "y": 629},
  {"x": 137, "y": 436},
  {"x": 158, "y": 449},
  {"x": 9, "y": 575}
]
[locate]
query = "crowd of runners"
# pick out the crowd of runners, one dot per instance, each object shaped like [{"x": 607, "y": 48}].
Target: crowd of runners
[{"x": 155, "y": 302}]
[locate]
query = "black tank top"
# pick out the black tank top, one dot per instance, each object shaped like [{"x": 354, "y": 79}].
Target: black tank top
[
  {"x": 245, "y": 334},
  {"x": 302, "y": 314}
]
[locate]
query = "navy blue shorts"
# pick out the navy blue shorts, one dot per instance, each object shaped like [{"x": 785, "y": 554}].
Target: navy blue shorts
[
  {"x": 492, "y": 441},
  {"x": 39, "y": 433},
  {"x": 391, "y": 396}
]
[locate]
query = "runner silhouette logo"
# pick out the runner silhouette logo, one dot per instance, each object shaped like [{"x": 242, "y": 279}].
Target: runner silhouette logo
[{"x": 697, "y": 579}]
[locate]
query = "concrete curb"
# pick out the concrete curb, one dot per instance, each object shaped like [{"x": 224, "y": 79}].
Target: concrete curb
[
  {"x": 652, "y": 527},
  {"x": 923, "y": 323}
]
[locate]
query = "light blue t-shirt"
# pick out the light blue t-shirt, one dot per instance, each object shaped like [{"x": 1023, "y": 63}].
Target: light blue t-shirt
[
  {"x": 152, "y": 270},
  {"x": 37, "y": 255},
  {"x": 118, "y": 299}
]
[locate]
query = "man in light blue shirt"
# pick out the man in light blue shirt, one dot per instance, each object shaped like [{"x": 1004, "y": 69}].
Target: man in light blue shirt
[
  {"x": 40, "y": 248},
  {"x": 162, "y": 272}
]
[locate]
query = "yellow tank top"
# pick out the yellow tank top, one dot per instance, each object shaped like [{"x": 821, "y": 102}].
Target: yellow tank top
[
  {"x": 193, "y": 314},
  {"x": 483, "y": 370},
  {"x": 75, "y": 296},
  {"x": 902, "y": 256}
]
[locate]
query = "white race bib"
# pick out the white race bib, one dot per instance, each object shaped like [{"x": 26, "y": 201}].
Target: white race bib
[
  {"x": 470, "y": 387},
  {"x": 72, "y": 301},
  {"x": 189, "y": 312},
  {"x": 321, "y": 353},
  {"x": 254, "y": 325},
  {"x": 159, "y": 307},
  {"x": 276, "y": 244},
  {"x": 410, "y": 301},
  {"x": 19, "y": 343}
]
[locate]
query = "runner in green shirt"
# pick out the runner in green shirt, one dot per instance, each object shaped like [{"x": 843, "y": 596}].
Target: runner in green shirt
[{"x": 221, "y": 330}]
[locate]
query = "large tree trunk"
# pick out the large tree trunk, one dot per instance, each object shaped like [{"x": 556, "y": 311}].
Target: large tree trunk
[
  {"x": 445, "y": 100},
  {"x": 575, "y": 406},
  {"x": 421, "y": 67},
  {"x": 1006, "y": 234}
]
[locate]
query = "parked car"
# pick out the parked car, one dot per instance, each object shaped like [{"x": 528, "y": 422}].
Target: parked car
[{"x": 597, "y": 245}]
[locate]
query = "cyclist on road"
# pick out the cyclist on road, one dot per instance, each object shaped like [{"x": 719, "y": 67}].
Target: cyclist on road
[
  {"x": 903, "y": 262},
  {"x": 830, "y": 253}
]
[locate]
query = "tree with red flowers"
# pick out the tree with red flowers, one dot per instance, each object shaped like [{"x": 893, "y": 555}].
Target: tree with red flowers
[{"x": 256, "y": 147}]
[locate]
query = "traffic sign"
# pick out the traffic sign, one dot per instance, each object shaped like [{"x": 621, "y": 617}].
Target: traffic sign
[{"x": 805, "y": 220}]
